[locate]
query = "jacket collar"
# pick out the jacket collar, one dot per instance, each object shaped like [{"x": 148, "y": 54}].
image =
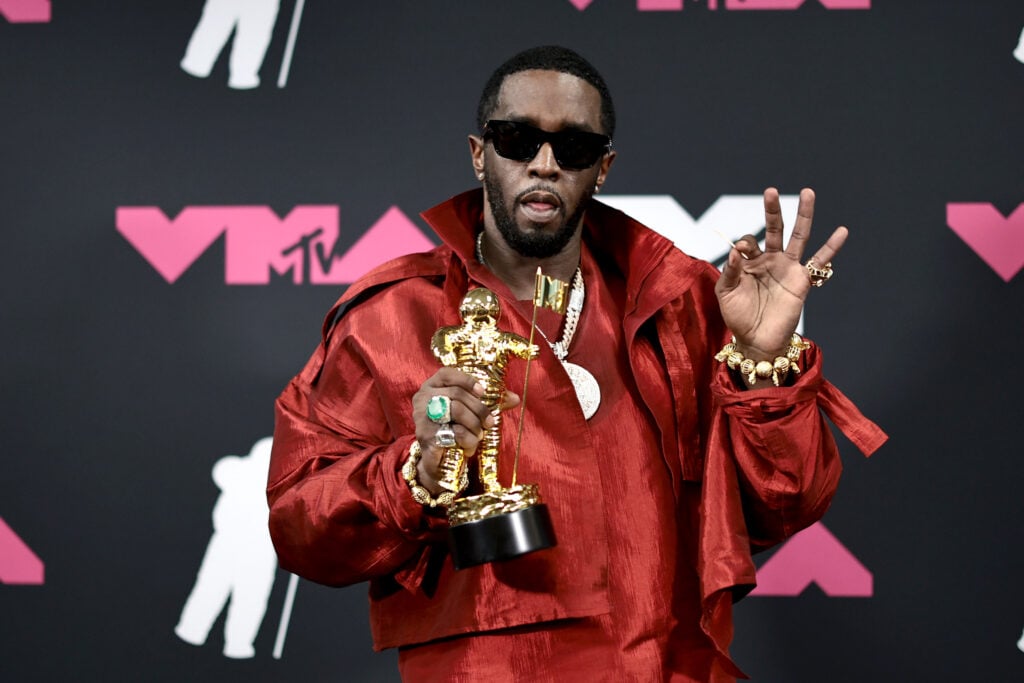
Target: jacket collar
[{"x": 636, "y": 250}]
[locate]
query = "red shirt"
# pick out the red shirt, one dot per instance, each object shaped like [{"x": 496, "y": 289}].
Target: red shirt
[{"x": 656, "y": 500}]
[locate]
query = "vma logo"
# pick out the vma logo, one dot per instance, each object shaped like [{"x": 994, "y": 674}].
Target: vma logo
[
  {"x": 26, "y": 11},
  {"x": 677, "y": 5},
  {"x": 258, "y": 242},
  {"x": 998, "y": 240}
]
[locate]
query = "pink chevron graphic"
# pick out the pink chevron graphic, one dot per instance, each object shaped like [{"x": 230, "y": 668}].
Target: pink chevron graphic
[
  {"x": 392, "y": 236},
  {"x": 814, "y": 556},
  {"x": 26, "y": 11},
  {"x": 997, "y": 240},
  {"x": 18, "y": 564},
  {"x": 581, "y": 4},
  {"x": 170, "y": 246}
]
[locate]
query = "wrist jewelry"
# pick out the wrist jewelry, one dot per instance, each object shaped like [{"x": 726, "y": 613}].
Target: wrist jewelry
[
  {"x": 410, "y": 474},
  {"x": 755, "y": 370}
]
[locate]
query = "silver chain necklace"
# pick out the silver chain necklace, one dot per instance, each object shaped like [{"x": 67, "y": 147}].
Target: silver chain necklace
[{"x": 588, "y": 391}]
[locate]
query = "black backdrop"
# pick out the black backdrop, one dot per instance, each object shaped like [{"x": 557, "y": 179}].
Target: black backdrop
[{"x": 121, "y": 390}]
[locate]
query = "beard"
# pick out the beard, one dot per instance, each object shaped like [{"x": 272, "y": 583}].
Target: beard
[{"x": 532, "y": 243}]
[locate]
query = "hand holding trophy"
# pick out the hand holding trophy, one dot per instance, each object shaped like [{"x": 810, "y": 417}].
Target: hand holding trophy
[{"x": 499, "y": 523}]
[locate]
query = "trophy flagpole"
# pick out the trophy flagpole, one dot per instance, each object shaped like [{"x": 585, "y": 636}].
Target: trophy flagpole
[
  {"x": 293, "y": 32},
  {"x": 549, "y": 293},
  {"x": 286, "y": 615},
  {"x": 526, "y": 378}
]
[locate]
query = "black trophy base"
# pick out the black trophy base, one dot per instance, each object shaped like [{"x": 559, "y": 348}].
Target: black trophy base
[{"x": 501, "y": 537}]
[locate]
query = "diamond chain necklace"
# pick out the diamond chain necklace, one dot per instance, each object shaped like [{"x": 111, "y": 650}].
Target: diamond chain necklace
[{"x": 572, "y": 312}]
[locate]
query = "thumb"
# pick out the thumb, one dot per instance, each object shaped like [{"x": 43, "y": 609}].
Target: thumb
[
  {"x": 731, "y": 272},
  {"x": 509, "y": 400}
]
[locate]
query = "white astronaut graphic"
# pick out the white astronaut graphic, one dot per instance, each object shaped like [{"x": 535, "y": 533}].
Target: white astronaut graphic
[
  {"x": 251, "y": 21},
  {"x": 1019, "y": 54},
  {"x": 240, "y": 562}
]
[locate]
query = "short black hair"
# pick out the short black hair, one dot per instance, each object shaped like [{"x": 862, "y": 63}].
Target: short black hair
[{"x": 546, "y": 58}]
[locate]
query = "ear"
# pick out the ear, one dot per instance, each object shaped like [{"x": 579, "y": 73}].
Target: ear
[
  {"x": 606, "y": 164},
  {"x": 476, "y": 153}
]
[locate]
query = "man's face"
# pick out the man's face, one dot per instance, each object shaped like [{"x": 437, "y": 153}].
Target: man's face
[{"x": 537, "y": 205}]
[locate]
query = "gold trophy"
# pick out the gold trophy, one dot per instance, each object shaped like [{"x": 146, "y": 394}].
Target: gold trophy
[{"x": 500, "y": 523}]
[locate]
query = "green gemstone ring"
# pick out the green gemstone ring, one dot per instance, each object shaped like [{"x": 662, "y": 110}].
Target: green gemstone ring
[{"x": 439, "y": 409}]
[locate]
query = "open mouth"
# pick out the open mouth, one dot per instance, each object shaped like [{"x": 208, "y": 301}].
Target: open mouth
[{"x": 539, "y": 206}]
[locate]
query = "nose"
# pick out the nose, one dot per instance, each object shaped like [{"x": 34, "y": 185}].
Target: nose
[{"x": 543, "y": 164}]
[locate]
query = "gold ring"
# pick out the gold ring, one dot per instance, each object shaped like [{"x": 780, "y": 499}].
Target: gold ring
[{"x": 819, "y": 276}]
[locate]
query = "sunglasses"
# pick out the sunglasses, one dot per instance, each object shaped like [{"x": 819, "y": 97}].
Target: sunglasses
[{"x": 574, "y": 150}]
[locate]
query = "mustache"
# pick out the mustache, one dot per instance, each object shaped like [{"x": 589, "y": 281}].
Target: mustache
[{"x": 540, "y": 187}]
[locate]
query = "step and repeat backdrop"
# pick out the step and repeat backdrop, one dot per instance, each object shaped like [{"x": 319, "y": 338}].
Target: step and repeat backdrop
[{"x": 187, "y": 186}]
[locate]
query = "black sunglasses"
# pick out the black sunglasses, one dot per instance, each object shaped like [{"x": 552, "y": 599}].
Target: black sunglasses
[{"x": 574, "y": 149}]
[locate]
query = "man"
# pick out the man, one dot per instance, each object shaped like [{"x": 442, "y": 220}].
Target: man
[{"x": 658, "y": 495}]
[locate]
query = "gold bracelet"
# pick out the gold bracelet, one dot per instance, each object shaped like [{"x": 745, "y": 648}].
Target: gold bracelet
[
  {"x": 419, "y": 494},
  {"x": 755, "y": 370}
]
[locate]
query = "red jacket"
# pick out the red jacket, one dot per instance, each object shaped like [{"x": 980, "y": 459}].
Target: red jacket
[{"x": 765, "y": 460}]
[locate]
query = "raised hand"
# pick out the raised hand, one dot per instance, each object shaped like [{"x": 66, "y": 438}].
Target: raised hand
[{"x": 761, "y": 293}]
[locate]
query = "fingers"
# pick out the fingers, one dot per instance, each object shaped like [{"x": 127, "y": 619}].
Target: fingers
[
  {"x": 745, "y": 249},
  {"x": 748, "y": 247},
  {"x": 733, "y": 268},
  {"x": 469, "y": 415},
  {"x": 831, "y": 247},
  {"x": 772, "y": 220},
  {"x": 802, "y": 227},
  {"x": 747, "y": 259},
  {"x": 450, "y": 377}
]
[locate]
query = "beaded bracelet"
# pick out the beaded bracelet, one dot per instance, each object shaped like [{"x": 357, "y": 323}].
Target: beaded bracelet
[
  {"x": 420, "y": 494},
  {"x": 755, "y": 370}
]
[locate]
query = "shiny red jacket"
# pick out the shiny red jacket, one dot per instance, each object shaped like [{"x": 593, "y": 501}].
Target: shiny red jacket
[{"x": 763, "y": 463}]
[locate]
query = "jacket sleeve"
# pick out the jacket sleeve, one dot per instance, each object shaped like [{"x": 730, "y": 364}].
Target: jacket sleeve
[
  {"x": 787, "y": 462},
  {"x": 340, "y": 512}
]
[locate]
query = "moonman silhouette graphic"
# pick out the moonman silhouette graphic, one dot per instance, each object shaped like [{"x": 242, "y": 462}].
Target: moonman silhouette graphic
[
  {"x": 251, "y": 21},
  {"x": 240, "y": 562}
]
